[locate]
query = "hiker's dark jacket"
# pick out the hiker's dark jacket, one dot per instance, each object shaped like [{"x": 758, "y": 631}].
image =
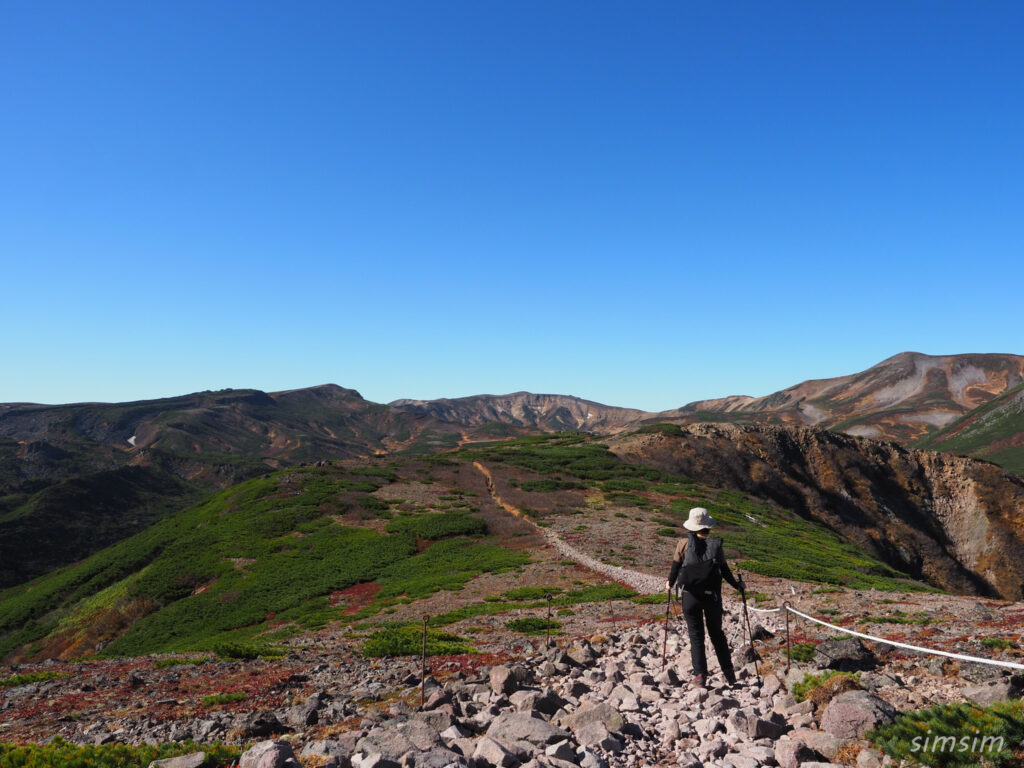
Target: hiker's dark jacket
[{"x": 723, "y": 566}]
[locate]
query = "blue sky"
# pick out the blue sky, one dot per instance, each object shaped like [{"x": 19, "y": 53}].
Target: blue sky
[{"x": 643, "y": 204}]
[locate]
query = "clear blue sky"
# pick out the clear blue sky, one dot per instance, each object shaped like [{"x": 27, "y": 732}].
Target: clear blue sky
[{"x": 638, "y": 203}]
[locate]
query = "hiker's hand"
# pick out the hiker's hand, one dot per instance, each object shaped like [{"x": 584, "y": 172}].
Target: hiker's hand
[
  {"x": 743, "y": 585},
  {"x": 668, "y": 586}
]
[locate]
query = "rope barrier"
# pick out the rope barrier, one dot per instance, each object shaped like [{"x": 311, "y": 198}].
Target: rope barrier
[
  {"x": 918, "y": 648},
  {"x": 765, "y": 610}
]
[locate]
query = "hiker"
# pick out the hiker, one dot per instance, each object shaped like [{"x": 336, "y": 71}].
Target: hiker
[{"x": 699, "y": 563}]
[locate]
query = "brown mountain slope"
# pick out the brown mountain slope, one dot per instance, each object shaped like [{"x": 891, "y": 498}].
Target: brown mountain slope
[
  {"x": 903, "y": 398},
  {"x": 76, "y": 478},
  {"x": 528, "y": 411},
  {"x": 955, "y": 522}
]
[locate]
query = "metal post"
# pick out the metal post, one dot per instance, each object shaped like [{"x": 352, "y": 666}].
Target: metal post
[
  {"x": 785, "y": 610},
  {"x": 547, "y": 642},
  {"x": 423, "y": 664}
]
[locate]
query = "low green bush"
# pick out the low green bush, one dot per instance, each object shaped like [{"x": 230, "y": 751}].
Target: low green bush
[
  {"x": 996, "y": 643},
  {"x": 533, "y": 625},
  {"x": 60, "y": 754},
  {"x": 956, "y": 735},
  {"x": 531, "y": 593},
  {"x": 247, "y": 652},
  {"x": 830, "y": 681},
  {"x": 437, "y": 525},
  {"x": 30, "y": 677},
  {"x": 802, "y": 652},
  {"x": 407, "y": 640},
  {"x": 224, "y": 698}
]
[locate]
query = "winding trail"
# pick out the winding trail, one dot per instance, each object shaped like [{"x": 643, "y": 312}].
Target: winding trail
[{"x": 644, "y": 583}]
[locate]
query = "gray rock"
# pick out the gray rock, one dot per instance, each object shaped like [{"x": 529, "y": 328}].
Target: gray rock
[
  {"x": 790, "y": 753},
  {"x": 590, "y": 759},
  {"x": 986, "y": 694},
  {"x": 852, "y": 714},
  {"x": 603, "y": 713},
  {"x": 869, "y": 758},
  {"x": 390, "y": 742},
  {"x": 507, "y": 680},
  {"x": 563, "y": 750},
  {"x": 437, "y": 757},
  {"x": 821, "y": 742},
  {"x": 194, "y": 760},
  {"x": 267, "y": 754},
  {"x": 492, "y": 753},
  {"x": 375, "y": 760},
  {"x": 846, "y": 655},
  {"x": 519, "y": 726},
  {"x": 259, "y": 724}
]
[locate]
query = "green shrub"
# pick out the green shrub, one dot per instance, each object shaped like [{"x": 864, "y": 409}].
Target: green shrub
[
  {"x": 956, "y": 735},
  {"x": 30, "y": 677},
  {"x": 828, "y": 681},
  {"x": 803, "y": 652},
  {"x": 549, "y": 485},
  {"x": 247, "y": 652},
  {"x": 667, "y": 532},
  {"x": 655, "y": 599},
  {"x": 439, "y": 525},
  {"x": 996, "y": 643},
  {"x": 531, "y": 593},
  {"x": 60, "y": 754},
  {"x": 665, "y": 428},
  {"x": 224, "y": 698},
  {"x": 533, "y": 625},
  {"x": 407, "y": 640}
]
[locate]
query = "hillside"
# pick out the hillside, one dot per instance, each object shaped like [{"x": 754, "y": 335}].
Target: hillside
[
  {"x": 527, "y": 412},
  {"x": 303, "y": 548},
  {"x": 75, "y": 478},
  {"x": 954, "y": 522},
  {"x": 993, "y": 431},
  {"x": 903, "y": 398}
]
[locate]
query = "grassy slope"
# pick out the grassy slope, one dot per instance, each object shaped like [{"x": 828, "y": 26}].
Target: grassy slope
[
  {"x": 975, "y": 434},
  {"x": 258, "y": 562},
  {"x": 765, "y": 539},
  {"x": 263, "y": 555}
]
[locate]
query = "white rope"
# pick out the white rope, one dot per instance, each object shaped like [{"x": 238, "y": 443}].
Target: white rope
[
  {"x": 918, "y": 648},
  {"x": 764, "y": 610}
]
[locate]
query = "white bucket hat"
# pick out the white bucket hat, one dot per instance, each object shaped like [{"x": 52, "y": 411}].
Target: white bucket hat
[{"x": 699, "y": 520}]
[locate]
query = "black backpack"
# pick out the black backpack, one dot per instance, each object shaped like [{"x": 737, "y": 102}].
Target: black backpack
[{"x": 700, "y": 571}]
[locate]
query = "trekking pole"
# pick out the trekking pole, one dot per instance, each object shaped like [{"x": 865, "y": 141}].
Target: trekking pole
[
  {"x": 785, "y": 610},
  {"x": 746, "y": 619},
  {"x": 664, "y": 643},
  {"x": 547, "y": 643}
]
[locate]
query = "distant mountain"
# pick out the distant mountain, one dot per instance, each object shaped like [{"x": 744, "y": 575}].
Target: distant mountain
[
  {"x": 904, "y": 398},
  {"x": 528, "y": 411},
  {"x": 75, "y": 478},
  {"x": 993, "y": 431}
]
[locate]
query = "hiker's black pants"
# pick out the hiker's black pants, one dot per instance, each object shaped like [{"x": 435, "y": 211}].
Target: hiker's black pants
[{"x": 701, "y": 610}]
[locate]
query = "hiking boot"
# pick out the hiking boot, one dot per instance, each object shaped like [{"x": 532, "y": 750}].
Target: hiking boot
[
  {"x": 730, "y": 678},
  {"x": 697, "y": 682}
]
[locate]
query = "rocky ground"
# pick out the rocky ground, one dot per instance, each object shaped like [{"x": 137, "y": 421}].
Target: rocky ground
[{"x": 593, "y": 702}]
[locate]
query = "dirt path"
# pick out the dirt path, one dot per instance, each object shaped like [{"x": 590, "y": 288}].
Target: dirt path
[{"x": 644, "y": 583}]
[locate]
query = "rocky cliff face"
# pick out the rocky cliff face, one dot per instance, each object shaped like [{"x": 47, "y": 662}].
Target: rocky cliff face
[{"x": 955, "y": 522}]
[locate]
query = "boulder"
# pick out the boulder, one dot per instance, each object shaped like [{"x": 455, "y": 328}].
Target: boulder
[
  {"x": 267, "y": 754},
  {"x": 194, "y": 760},
  {"x": 260, "y": 724},
  {"x": 603, "y": 713},
  {"x": 520, "y": 726},
  {"x": 846, "y": 655},
  {"x": 437, "y": 757},
  {"x": 507, "y": 680},
  {"x": 790, "y": 753},
  {"x": 1003, "y": 689},
  {"x": 390, "y": 742},
  {"x": 492, "y": 753},
  {"x": 852, "y": 714}
]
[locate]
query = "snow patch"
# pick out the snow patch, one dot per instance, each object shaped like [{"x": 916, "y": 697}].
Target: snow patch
[
  {"x": 863, "y": 430},
  {"x": 131, "y": 441}
]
